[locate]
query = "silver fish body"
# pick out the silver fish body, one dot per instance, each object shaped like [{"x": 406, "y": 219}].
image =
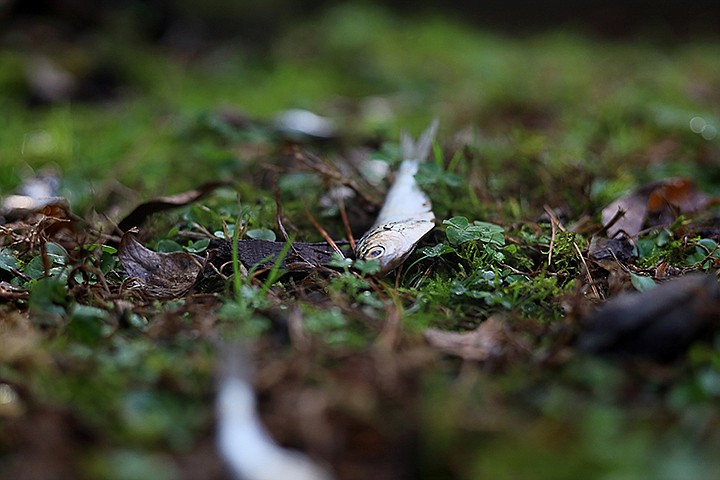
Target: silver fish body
[{"x": 406, "y": 215}]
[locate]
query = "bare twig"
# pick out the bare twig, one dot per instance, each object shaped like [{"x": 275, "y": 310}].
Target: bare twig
[
  {"x": 555, "y": 224},
  {"x": 346, "y": 224},
  {"x": 278, "y": 210},
  {"x": 324, "y": 234},
  {"x": 587, "y": 272}
]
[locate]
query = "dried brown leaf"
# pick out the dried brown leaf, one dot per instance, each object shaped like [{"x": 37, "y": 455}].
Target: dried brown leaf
[
  {"x": 626, "y": 215},
  {"x": 656, "y": 203},
  {"x": 674, "y": 196},
  {"x": 138, "y": 216},
  {"x": 163, "y": 274},
  {"x": 486, "y": 341}
]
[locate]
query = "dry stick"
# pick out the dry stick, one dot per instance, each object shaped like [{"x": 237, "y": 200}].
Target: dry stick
[
  {"x": 202, "y": 229},
  {"x": 553, "y": 225},
  {"x": 587, "y": 271},
  {"x": 323, "y": 233},
  {"x": 553, "y": 218},
  {"x": 278, "y": 210},
  {"x": 397, "y": 275},
  {"x": 346, "y": 223},
  {"x": 710, "y": 254}
]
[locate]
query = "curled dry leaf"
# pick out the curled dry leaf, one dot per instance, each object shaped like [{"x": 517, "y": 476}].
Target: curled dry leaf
[
  {"x": 659, "y": 323},
  {"x": 656, "y": 203},
  {"x": 163, "y": 274},
  {"x": 138, "y": 216},
  {"x": 485, "y": 342}
]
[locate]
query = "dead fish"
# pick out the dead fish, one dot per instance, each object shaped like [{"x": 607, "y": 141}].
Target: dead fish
[{"x": 406, "y": 216}]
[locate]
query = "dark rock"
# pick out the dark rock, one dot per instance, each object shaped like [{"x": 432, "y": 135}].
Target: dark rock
[{"x": 660, "y": 323}]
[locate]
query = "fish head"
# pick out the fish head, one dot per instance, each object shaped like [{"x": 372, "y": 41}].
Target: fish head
[{"x": 390, "y": 244}]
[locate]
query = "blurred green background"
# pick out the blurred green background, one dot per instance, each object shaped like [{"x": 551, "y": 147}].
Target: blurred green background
[{"x": 111, "y": 91}]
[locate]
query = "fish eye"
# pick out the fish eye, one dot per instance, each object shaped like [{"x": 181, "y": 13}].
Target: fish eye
[{"x": 375, "y": 252}]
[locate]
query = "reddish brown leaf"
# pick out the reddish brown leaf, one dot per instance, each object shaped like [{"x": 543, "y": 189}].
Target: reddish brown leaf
[
  {"x": 656, "y": 203},
  {"x": 675, "y": 196}
]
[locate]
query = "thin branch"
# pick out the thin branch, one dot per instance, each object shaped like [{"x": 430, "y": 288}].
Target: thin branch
[
  {"x": 346, "y": 223},
  {"x": 324, "y": 234}
]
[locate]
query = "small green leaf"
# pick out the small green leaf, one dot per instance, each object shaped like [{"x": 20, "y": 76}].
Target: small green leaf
[
  {"x": 704, "y": 248},
  {"x": 338, "y": 261},
  {"x": 641, "y": 282},
  {"x": 86, "y": 323},
  {"x": 198, "y": 246},
  {"x": 433, "y": 174},
  {"x": 57, "y": 254},
  {"x": 228, "y": 233},
  {"x": 8, "y": 262},
  {"x": 459, "y": 231},
  {"x": 261, "y": 234},
  {"x": 109, "y": 249},
  {"x": 168, "y": 246},
  {"x": 34, "y": 268},
  {"x": 48, "y": 296},
  {"x": 367, "y": 267},
  {"x": 436, "y": 250},
  {"x": 107, "y": 262}
]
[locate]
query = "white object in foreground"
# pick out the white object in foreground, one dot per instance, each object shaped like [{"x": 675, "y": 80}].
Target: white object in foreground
[{"x": 246, "y": 446}]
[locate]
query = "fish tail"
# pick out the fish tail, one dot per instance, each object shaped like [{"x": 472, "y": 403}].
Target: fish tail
[{"x": 421, "y": 150}]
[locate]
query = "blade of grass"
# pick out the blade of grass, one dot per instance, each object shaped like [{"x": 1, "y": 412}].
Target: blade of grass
[
  {"x": 237, "y": 280},
  {"x": 274, "y": 271}
]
